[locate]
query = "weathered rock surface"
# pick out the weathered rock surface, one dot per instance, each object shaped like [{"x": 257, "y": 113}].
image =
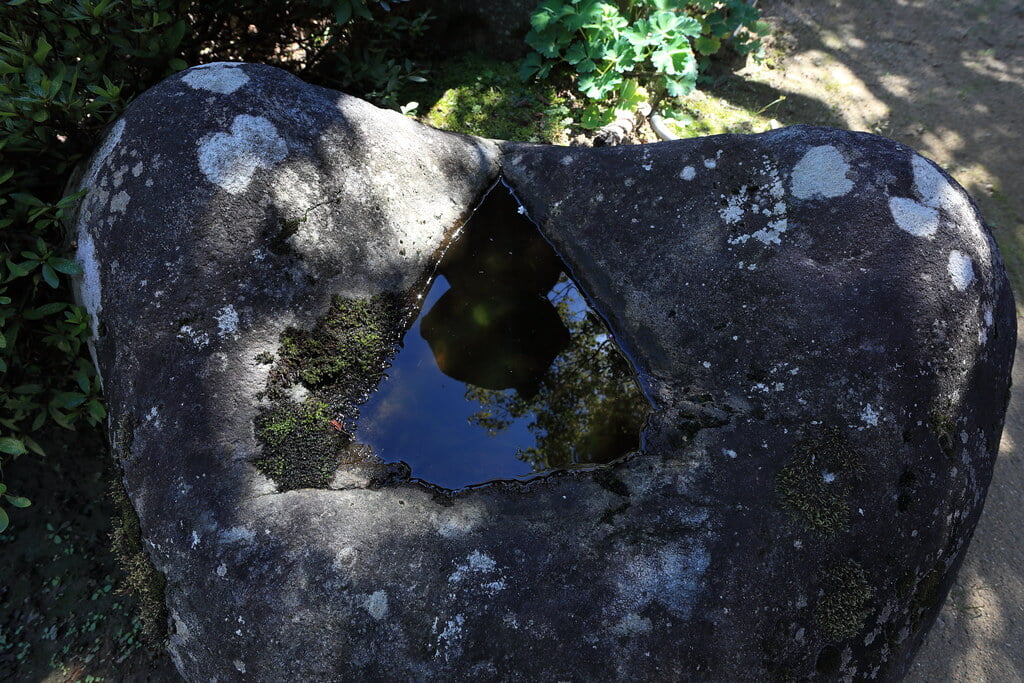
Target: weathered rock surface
[{"x": 820, "y": 318}]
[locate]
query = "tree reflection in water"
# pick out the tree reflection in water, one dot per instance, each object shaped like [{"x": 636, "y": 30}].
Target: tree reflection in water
[
  {"x": 541, "y": 378},
  {"x": 587, "y": 407}
]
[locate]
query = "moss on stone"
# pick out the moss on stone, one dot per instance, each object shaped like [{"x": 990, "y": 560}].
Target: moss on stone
[
  {"x": 340, "y": 360},
  {"x": 842, "y": 609},
  {"x": 926, "y": 595},
  {"x": 815, "y": 485},
  {"x": 348, "y": 346},
  {"x": 141, "y": 578},
  {"x": 944, "y": 428},
  {"x": 123, "y": 436},
  {"x": 300, "y": 447}
]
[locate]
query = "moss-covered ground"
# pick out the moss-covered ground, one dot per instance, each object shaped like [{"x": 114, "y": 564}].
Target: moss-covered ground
[{"x": 480, "y": 96}]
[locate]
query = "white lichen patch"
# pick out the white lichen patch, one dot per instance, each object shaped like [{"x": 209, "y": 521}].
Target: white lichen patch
[
  {"x": 732, "y": 212},
  {"x": 917, "y": 219},
  {"x": 771, "y": 233},
  {"x": 197, "y": 337},
  {"x": 89, "y": 289},
  {"x": 227, "y": 321},
  {"x": 933, "y": 189},
  {"x": 688, "y": 173},
  {"x": 109, "y": 143},
  {"x": 764, "y": 203},
  {"x": 631, "y": 625},
  {"x": 476, "y": 562},
  {"x": 821, "y": 173},
  {"x": 236, "y": 534},
  {"x": 219, "y": 77},
  {"x": 961, "y": 269},
  {"x": 229, "y": 160},
  {"x": 827, "y": 477},
  {"x": 376, "y": 604},
  {"x": 450, "y": 638},
  {"x": 671, "y": 577},
  {"x": 869, "y": 415},
  {"x": 119, "y": 202}
]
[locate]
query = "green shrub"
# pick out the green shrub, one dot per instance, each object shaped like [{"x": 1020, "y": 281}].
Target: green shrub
[
  {"x": 67, "y": 69},
  {"x": 64, "y": 74},
  {"x": 622, "y": 53}
]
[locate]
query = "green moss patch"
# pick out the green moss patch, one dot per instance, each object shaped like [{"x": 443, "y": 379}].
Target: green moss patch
[
  {"x": 348, "y": 347},
  {"x": 843, "y": 607},
  {"x": 944, "y": 428},
  {"x": 301, "y": 448},
  {"x": 141, "y": 578},
  {"x": 339, "y": 361},
  {"x": 815, "y": 485},
  {"x": 483, "y": 97}
]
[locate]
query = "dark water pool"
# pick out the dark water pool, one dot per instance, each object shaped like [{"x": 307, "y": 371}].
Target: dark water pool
[{"x": 507, "y": 372}]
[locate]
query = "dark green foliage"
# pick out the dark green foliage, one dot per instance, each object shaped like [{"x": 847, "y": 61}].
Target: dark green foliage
[
  {"x": 67, "y": 69},
  {"x": 300, "y": 448},
  {"x": 843, "y": 607},
  {"x": 815, "y": 484},
  {"x": 64, "y": 67},
  {"x": 621, "y": 50},
  {"x": 360, "y": 46}
]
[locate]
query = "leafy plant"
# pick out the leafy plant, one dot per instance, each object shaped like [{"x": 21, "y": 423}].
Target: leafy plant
[
  {"x": 13, "y": 501},
  {"x": 623, "y": 53}
]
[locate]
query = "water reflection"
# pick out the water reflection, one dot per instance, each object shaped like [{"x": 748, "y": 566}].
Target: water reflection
[{"x": 507, "y": 372}]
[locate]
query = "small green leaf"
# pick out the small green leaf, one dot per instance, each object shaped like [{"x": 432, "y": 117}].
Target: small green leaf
[
  {"x": 66, "y": 266},
  {"x": 42, "y": 49},
  {"x": 576, "y": 53},
  {"x": 50, "y": 276},
  {"x": 33, "y": 446},
  {"x": 12, "y": 446},
  {"x": 18, "y": 501},
  {"x": 707, "y": 45},
  {"x": 4, "y": 520},
  {"x": 45, "y": 310},
  {"x": 343, "y": 13}
]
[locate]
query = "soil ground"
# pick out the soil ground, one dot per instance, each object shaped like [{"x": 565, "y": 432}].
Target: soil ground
[{"x": 943, "y": 76}]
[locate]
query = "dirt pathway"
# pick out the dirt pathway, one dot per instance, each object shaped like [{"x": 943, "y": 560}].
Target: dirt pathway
[{"x": 947, "y": 78}]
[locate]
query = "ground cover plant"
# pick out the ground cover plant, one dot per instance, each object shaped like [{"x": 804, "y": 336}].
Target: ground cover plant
[{"x": 632, "y": 51}]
